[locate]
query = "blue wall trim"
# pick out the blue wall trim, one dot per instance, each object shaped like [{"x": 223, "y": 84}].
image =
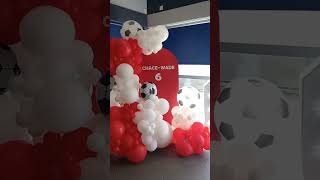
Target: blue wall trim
[
  {"x": 120, "y": 14},
  {"x": 190, "y": 44},
  {"x": 307, "y": 5},
  {"x": 115, "y": 28}
]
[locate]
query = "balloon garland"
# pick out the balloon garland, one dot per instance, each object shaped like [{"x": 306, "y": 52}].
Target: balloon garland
[
  {"x": 50, "y": 110},
  {"x": 61, "y": 65},
  {"x": 137, "y": 123}
]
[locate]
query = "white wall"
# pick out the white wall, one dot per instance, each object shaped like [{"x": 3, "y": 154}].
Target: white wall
[
  {"x": 291, "y": 28},
  {"x": 191, "y": 13},
  {"x": 284, "y": 71},
  {"x": 135, "y": 5}
]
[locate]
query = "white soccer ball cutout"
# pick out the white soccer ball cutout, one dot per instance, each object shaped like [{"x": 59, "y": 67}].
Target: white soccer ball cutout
[
  {"x": 130, "y": 29},
  {"x": 250, "y": 115},
  {"x": 188, "y": 96},
  {"x": 148, "y": 89}
]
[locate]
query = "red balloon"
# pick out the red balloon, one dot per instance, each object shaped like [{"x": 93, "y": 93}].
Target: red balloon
[
  {"x": 75, "y": 143},
  {"x": 117, "y": 129},
  {"x": 178, "y": 133},
  {"x": 127, "y": 143},
  {"x": 183, "y": 148},
  {"x": 17, "y": 161},
  {"x": 138, "y": 154},
  {"x": 197, "y": 142},
  {"x": 125, "y": 51},
  {"x": 197, "y": 127}
]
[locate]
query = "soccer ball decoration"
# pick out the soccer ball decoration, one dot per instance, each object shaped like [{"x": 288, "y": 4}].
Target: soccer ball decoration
[
  {"x": 130, "y": 29},
  {"x": 8, "y": 67},
  {"x": 188, "y": 96},
  {"x": 249, "y": 109},
  {"x": 102, "y": 90},
  {"x": 250, "y": 115},
  {"x": 148, "y": 89}
]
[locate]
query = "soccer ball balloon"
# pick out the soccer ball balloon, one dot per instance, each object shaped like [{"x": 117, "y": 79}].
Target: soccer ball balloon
[
  {"x": 188, "y": 96},
  {"x": 130, "y": 29},
  {"x": 249, "y": 110},
  {"x": 148, "y": 89}
]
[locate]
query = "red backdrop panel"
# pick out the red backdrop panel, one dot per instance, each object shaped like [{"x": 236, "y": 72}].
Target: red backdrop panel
[
  {"x": 162, "y": 69},
  {"x": 215, "y": 65}
]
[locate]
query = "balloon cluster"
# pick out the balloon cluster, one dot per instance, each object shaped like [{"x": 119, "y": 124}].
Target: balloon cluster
[
  {"x": 192, "y": 141},
  {"x": 127, "y": 87},
  {"x": 151, "y": 40},
  {"x": 58, "y": 73},
  {"x": 57, "y": 157},
  {"x": 125, "y": 138},
  {"x": 156, "y": 132},
  {"x": 61, "y": 53},
  {"x": 136, "y": 124},
  {"x": 124, "y": 51},
  {"x": 183, "y": 117},
  {"x": 87, "y": 15}
]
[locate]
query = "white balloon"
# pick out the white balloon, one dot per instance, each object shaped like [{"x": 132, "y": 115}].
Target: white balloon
[
  {"x": 63, "y": 107},
  {"x": 148, "y": 104},
  {"x": 47, "y": 31},
  {"x": 10, "y": 131},
  {"x": 163, "y": 106},
  {"x": 149, "y": 115},
  {"x": 82, "y": 54},
  {"x": 152, "y": 146},
  {"x": 164, "y": 134},
  {"x": 129, "y": 96},
  {"x": 156, "y": 133},
  {"x": 124, "y": 71},
  {"x": 147, "y": 139}
]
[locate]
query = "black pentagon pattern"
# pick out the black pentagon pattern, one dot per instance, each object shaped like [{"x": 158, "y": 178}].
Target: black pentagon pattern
[
  {"x": 225, "y": 94},
  {"x": 144, "y": 86},
  {"x": 192, "y": 106},
  {"x": 285, "y": 108},
  {"x": 131, "y": 23},
  {"x": 180, "y": 103},
  {"x": 226, "y": 131},
  {"x": 264, "y": 140},
  {"x": 127, "y": 33},
  {"x": 143, "y": 95},
  {"x": 199, "y": 96},
  {"x": 152, "y": 91},
  {"x": 180, "y": 91},
  {"x": 139, "y": 29}
]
